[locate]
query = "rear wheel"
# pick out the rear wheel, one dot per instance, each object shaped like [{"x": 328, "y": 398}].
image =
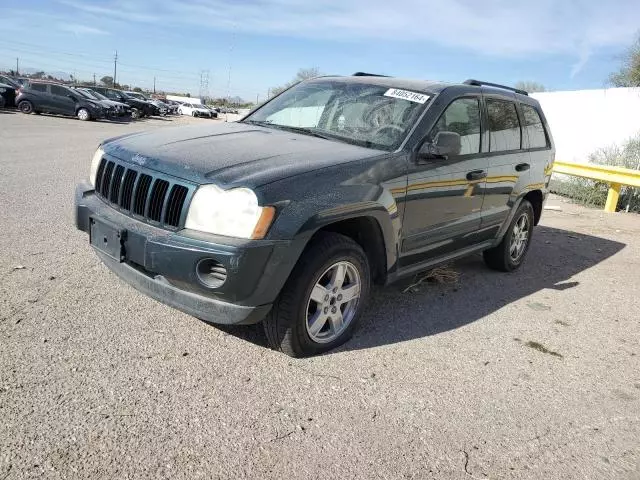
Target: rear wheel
[
  {"x": 83, "y": 114},
  {"x": 25, "y": 106},
  {"x": 319, "y": 306},
  {"x": 510, "y": 253}
]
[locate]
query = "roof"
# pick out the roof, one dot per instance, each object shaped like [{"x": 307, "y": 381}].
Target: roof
[{"x": 426, "y": 86}]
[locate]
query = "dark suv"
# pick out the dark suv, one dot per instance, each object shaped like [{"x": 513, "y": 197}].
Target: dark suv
[
  {"x": 39, "y": 97},
  {"x": 139, "y": 108},
  {"x": 290, "y": 214}
]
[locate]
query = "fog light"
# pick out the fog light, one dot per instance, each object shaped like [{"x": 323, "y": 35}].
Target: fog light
[{"x": 211, "y": 273}]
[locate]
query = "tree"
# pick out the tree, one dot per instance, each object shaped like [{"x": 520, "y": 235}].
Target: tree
[
  {"x": 303, "y": 74},
  {"x": 629, "y": 73},
  {"x": 107, "y": 81},
  {"x": 137, "y": 89},
  {"x": 530, "y": 86}
]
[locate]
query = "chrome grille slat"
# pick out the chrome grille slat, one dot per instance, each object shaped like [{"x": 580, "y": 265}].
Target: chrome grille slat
[{"x": 157, "y": 199}]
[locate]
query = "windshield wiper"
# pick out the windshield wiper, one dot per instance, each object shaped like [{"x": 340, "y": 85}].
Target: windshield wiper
[{"x": 303, "y": 130}]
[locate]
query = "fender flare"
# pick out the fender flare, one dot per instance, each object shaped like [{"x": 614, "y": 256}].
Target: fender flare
[{"x": 372, "y": 210}]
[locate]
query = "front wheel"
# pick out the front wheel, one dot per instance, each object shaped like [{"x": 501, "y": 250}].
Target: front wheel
[
  {"x": 83, "y": 114},
  {"x": 510, "y": 253},
  {"x": 25, "y": 106},
  {"x": 135, "y": 113},
  {"x": 319, "y": 306}
]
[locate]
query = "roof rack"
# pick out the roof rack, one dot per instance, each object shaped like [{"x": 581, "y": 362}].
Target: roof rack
[
  {"x": 365, "y": 74},
  {"x": 480, "y": 83}
]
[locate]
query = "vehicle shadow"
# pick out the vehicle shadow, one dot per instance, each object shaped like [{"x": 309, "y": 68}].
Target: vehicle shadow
[
  {"x": 7, "y": 110},
  {"x": 393, "y": 316}
]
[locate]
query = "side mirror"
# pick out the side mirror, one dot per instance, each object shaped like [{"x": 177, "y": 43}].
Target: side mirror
[{"x": 445, "y": 145}]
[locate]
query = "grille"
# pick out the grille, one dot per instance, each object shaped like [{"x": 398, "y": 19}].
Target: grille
[{"x": 156, "y": 200}]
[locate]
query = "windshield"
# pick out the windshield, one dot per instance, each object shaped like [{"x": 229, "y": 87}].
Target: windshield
[
  {"x": 84, "y": 94},
  {"x": 372, "y": 116},
  {"x": 139, "y": 96},
  {"x": 94, "y": 95}
]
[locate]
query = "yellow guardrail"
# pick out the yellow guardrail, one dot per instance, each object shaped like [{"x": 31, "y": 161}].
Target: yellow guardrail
[{"x": 614, "y": 176}]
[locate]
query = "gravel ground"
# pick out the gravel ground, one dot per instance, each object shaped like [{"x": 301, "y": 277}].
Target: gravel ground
[{"x": 533, "y": 374}]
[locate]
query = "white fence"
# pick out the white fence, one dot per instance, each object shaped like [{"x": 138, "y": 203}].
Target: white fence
[{"x": 583, "y": 121}]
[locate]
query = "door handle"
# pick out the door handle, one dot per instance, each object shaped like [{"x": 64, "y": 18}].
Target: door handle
[
  {"x": 476, "y": 175},
  {"x": 522, "y": 167}
]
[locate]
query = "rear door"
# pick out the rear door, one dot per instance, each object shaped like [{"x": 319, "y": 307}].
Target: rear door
[
  {"x": 62, "y": 101},
  {"x": 41, "y": 98},
  {"x": 509, "y": 161},
  {"x": 444, "y": 196}
]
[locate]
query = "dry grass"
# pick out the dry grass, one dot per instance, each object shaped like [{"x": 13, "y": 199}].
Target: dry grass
[{"x": 440, "y": 275}]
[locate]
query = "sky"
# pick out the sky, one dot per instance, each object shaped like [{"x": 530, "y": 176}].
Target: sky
[{"x": 248, "y": 46}]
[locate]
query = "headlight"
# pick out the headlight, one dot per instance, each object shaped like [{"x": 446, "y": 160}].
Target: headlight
[
  {"x": 95, "y": 162},
  {"x": 233, "y": 213}
]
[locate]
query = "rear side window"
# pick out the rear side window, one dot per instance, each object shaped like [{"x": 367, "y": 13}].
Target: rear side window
[
  {"x": 38, "y": 87},
  {"x": 534, "y": 127},
  {"x": 504, "y": 126},
  {"x": 58, "y": 90},
  {"x": 463, "y": 118}
]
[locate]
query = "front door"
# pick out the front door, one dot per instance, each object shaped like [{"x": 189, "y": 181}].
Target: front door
[
  {"x": 61, "y": 100},
  {"x": 444, "y": 196}
]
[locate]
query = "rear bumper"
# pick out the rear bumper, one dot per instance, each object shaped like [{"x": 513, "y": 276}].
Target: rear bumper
[{"x": 162, "y": 264}]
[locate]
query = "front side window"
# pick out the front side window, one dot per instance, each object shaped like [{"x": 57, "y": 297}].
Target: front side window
[
  {"x": 535, "y": 129},
  {"x": 462, "y": 116},
  {"x": 58, "y": 90},
  {"x": 372, "y": 116},
  {"x": 39, "y": 87},
  {"x": 504, "y": 126}
]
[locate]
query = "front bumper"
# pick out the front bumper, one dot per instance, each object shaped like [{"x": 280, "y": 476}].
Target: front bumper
[{"x": 162, "y": 264}]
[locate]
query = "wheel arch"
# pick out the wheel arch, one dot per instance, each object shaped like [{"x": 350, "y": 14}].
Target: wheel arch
[{"x": 371, "y": 228}]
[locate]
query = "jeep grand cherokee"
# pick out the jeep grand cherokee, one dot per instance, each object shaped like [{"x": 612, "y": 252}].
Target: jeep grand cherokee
[{"x": 289, "y": 215}]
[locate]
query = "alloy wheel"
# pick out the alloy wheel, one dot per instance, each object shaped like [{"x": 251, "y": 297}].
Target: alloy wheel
[
  {"x": 333, "y": 302},
  {"x": 519, "y": 237}
]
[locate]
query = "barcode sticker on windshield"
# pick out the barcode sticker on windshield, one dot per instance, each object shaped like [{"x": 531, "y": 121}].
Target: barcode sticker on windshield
[{"x": 406, "y": 95}]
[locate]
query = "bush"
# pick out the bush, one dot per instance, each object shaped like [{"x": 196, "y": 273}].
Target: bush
[{"x": 594, "y": 194}]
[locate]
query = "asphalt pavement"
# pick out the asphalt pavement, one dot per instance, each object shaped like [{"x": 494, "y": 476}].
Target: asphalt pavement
[{"x": 533, "y": 374}]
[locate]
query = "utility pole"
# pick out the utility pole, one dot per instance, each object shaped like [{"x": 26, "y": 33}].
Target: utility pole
[
  {"x": 115, "y": 69},
  {"x": 257, "y": 96},
  {"x": 17, "y": 67},
  {"x": 94, "y": 80},
  {"x": 154, "y": 85}
]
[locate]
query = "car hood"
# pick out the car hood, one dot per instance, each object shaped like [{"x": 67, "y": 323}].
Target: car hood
[
  {"x": 113, "y": 103},
  {"x": 232, "y": 154}
]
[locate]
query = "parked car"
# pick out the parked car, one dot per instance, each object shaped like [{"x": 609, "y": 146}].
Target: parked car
[
  {"x": 121, "y": 109},
  {"x": 152, "y": 108},
  {"x": 7, "y": 95},
  {"x": 194, "y": 109},
  {"x": 291, "y": 214},
  {"x": 214, "y": 113},
  {"x": 109, "y": 109},
  {"x": 7, "y": 80},
  {"x": 48, "y": 97},
  {"x": 139, "y": 108}
]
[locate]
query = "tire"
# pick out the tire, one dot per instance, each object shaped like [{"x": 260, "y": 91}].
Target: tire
[
  {"x": 193, "y": 114},
  {"x": 290, "y": 326},
  {"x": 83, "y": 114},
  {"x": 511, "y": 251},
  {"x": 135, "y": 114},
  {"x": 26, "y": 107}
]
